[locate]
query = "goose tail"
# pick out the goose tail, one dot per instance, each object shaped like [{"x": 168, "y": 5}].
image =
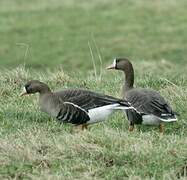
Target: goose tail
[{"x": 168, "y": 118}]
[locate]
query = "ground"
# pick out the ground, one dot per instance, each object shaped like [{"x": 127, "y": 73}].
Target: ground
[{"x": 68, "y": 44}]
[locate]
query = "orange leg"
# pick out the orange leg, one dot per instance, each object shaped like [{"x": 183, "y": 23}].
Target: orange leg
[
  {"x": 131, "y": 127},
  {"x": 161, "y": 128},
  {"x": 80, "y": 127},
  {"x": 84, "y": 126}
]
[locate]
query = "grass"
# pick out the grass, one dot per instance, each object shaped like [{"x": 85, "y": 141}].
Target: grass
[
  {"x": 58, "y": 42},
  {"x": 34, "y": 146},
  {"x": 57, "y": 33}
]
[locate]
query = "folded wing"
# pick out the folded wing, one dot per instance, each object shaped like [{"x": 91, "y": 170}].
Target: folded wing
[
  {"x": 150, "y": 102},
  {"x": 71, "y": 113},
  {"x": 89, "y": 100}
]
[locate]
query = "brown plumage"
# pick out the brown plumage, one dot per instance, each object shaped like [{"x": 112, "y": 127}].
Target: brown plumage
[
  {"x": 74, "y": 106},
  {"x": 152, "y": 108}
]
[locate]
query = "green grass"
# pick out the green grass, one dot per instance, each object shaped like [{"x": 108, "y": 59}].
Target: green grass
[
  {"x": 152, "y": 34},
  {"x": 35, "y": 146},
  {"x": 57, "y": 33}
]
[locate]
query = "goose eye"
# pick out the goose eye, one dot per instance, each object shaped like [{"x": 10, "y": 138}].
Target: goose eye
[{"x": 27, "y": 86}]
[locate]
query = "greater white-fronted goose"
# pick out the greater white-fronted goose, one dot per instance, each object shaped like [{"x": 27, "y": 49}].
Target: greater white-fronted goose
[
  {"x": 76, "y": 106},
  {"x": 152, "y": 108}
]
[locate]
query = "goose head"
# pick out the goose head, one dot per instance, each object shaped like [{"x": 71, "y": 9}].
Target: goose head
[
  {"x": 122, "y": 64},
  {"x": 35, "y": 86}
]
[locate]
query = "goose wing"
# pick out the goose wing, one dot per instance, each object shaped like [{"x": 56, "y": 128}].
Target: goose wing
[
  {"x": 149, "y": 102},
  {"x": 71, "y": 113},
  {"x": 66, "y": 94},
  {"x": 88, "y": 100}
]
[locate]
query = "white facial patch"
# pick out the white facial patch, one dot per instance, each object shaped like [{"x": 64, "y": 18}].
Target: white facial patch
[
  {"x": 114, "y": 63},
  {"x": 23, "y": 92}
]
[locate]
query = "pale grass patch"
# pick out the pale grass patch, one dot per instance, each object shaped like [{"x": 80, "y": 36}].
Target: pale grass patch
[
  {"x": 58, "y": 76},
  {"x": 173, "y": 92},
  {"x": 14, "y": 75},
  {"x": 36, "y": 144}
]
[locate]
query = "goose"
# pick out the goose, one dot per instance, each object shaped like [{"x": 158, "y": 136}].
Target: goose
[
  {"x": 151, "y": 107},
  {"x": 76, "y": 106}
]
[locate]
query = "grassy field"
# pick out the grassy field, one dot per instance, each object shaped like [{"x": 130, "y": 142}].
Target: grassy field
[
  {"x": 46, "y": 40},
  {"x": 57, "y": 32}
]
